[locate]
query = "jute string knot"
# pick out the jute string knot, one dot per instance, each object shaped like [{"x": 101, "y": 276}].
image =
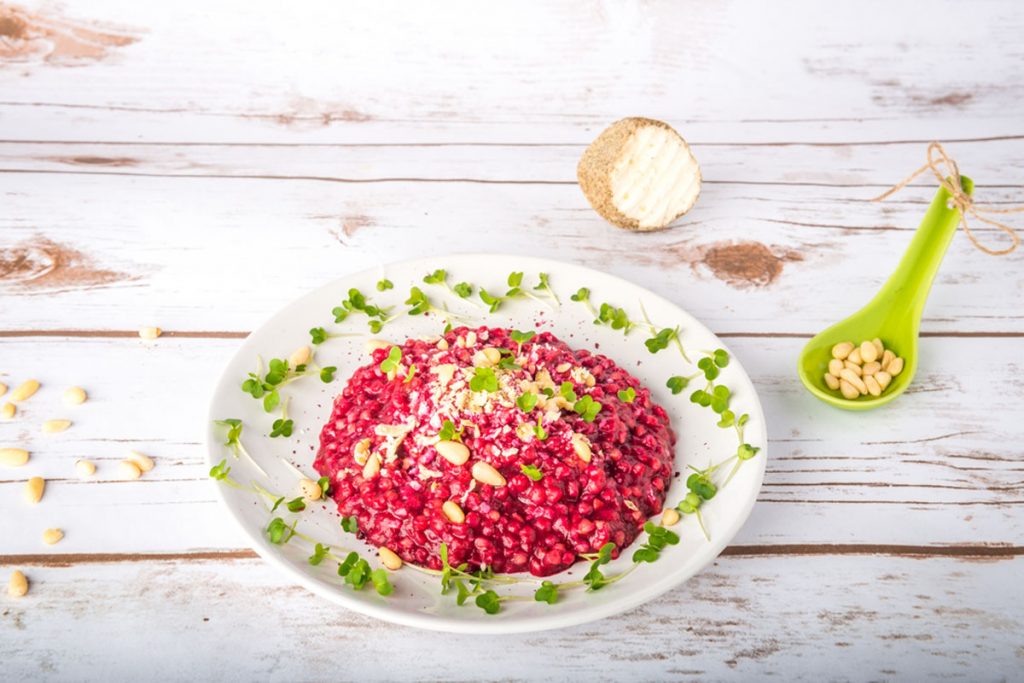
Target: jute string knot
[{"x": 950, "y": 180}]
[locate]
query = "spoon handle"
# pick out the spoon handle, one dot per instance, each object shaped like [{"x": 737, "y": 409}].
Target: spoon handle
[{"x": 907, "y": 288}]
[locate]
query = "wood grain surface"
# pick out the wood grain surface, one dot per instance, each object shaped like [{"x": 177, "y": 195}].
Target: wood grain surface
[{"x": 197, "y": 167}]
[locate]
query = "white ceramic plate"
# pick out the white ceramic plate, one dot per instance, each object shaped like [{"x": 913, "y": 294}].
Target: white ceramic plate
[{"x": 416, "y": 600}]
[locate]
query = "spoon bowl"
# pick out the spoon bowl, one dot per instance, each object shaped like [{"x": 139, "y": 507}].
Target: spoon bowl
[{"x": 894, "y": 314}]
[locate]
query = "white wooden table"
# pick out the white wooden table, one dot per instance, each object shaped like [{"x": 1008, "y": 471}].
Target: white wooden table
[{"x": 197, "y": 165}]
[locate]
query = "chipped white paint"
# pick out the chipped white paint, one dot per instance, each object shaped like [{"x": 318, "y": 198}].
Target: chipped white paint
[{"x": 369, "y": 135}]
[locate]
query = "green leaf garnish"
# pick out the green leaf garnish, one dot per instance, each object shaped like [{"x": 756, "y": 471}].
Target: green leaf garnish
[
  {"x": 699, "y": 483},
  {"x": 318, "y": 334},
  {"x": 582, "y": 294},
  {"x": 449, "y": 432},
  {"x": 391, "y": 362},
  {"x": 531, "y": 471},
  {"x": 319, "y": 553},
  {"x": 384, "y": 284},
  {"x": 463, "y": 290},
  {"x": 438, "y": 277},
  {"x": 381, "y": 584},
  {"x": 483, "y": 379},
  {"x": 489, "y": 602},
  {"x": 746, "y": 451},
  {"x": 296, "y": 504},
  {"x": 627, "y": 395},
  {"x": 419, "y": 302},
  {"x": 677, "y": 383},
  {"x": 278, "y": 532},
  {"x": 567, "y": 392},
  {"x": 527, "y": 401},
  {"x": 327, "y": 374},
  {"x": 548, "y": 592},
  {"x": 220, "y": 471},
  {"x": 325, "y": 486},
  {"x": 588, "y": 408},
  {"x": 350, "y": 524}
]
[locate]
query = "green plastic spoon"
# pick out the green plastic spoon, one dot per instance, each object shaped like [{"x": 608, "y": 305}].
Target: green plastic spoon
[{"x": 894, "y": 315}]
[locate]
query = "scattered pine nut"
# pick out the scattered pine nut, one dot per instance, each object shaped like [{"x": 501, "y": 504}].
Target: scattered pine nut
[
  {"x": 3, "y": 388},
  {"x": 24, "y": 391},
  {"x": 310, "y": 490},
  {"x": 486, "y": 474},
  {"x": 582, "y": 447},
  {"x": 453, "y": 512},
  {"x": 452, "y": 451},
  {"x": 141, "y": 460},
  {"x": 128, "y": 470},
  {"x": 17, "y": 585},
  {"x": 54, "y": 426},
  {"x": 372, "y": 466},
  {"x": 34, "y": 490},
  {"x": 52, "y": 536},
  {"x": 669, "y": 517},
  {"x": 13, "y": 457},
  {"x": 74, "y": 396},
  {"x": 442, "y": 344},
  {"x": 150, "y": 333},
  {"x": 389, "y": 558},
  {"x": 361, "y": 451},
  {"x": 300, "y": 356},
  {"x": 85, "y": 468},
  {"x": 7, "y": 411}
]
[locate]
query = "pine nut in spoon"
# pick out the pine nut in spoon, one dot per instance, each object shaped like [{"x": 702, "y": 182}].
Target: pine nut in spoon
[{"x": 893, "y": 316}]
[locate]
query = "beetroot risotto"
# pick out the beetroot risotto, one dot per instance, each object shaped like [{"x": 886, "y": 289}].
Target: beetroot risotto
[{"x": 515, "y": 450}]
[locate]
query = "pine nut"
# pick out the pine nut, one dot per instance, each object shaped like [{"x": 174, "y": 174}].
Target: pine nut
[
  {"x": 853, "y": 379},
  {"x": 142, "y": 461},
  {"x": 128, "y": 470},
  {"x": 670, "y": 517},
  {"x": 832, "y": 381},
  {"x": 486, "y": 358},
  {"x": 879, "y": 346},
  {"x": 24, "y": 391},
  {"x": 895, "y": 367},
  {"x": 883, "y": 378},
  {"x": 52, "y": 536},
  {"x": 849, "y": 391},
  {"x": 852, "y": 366},
  {"x": 34, "y": 490},
  {"x": 854, "y": 357},
  {"x": 74, "y": 396},
  {"x": 868, "y": 351},
  {"x": 300, "y": 356},
  {"x": 470, "y": 339},
  {"x": 581, "y": 445},
  {"x": 150, "y": 333},
  {"x": 486, "y": 474},
  {"x": 13, "y": 457},
  {"x": 17, "y": 585},
  {"x": 372, "y": 467},
  {"x": 871, "y": 368},
  {"x": 873, "y": 387},
  {"x": 452, "y": 451},
  {"x": 442, "y": 344},
  {"x": 453, "y": 512},
  {"x": 389, "y": 558},
  {"x": 835, "y": 366},
  {"x": 887, "y": 357},
  {"x": 563, "y": 367},
  {"x": 372, "y": 345},
  {"x": 842, "y": 350},
  {"x": 361, "y": 451},
  {"x": 7, "y": 411},
  {"x": 3, "y": 388},
  {"x": 54, "y": 426},
  {"x": 85, "y": 468},
  {"x": 311, "y": 490}
]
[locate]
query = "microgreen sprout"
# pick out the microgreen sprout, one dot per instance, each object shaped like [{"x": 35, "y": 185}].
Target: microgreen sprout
[
  {"x": 350, "y": 524},
  {"x": 280, "y": 533},
  {"x": 325, "y": 486},
  {"x": 527, "y": 401},
  {"x": 531, "y": 471},
  {"x": 357, "y": 302},
  {"x": 548, "y": 592},
  {"x": 507, "y": 360},
  {"x": 462, "y": 290},
  {"x": 516, "y": 291},
  {"x": 588, "y": 408},
  {"x": 627, "y": 395},
  {"x": 545, "y": 286},
  {"x": 327, "y": 374},
  {"x": 390, "y": 363},
  {"x": 319, "y": 553},
  {"x": 657, "y": 538},
  {"x": 539, "y": 431},
  {"x": 594, "y": 579},
  {"x": 449, "y": 432},
  {"x": 281, "y": 427},
  {"x": 489, "y": 602},
  {"x": 677, "y": 383},
  {"x": 483, "y": 379},
  {"x": 296, "y": 504},
  {"x": 521, "y": 338},
  {"x": 384, "y": 284},
  {"x": 567, "y": 392}
]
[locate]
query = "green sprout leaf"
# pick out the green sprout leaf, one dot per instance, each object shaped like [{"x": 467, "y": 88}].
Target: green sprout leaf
[
  {"x": 489, "y": 602},
  {"x": 661, "y": 340},
  {"x": 220, "y": 471},
  {"x": 588, "y": 408},
  {"x": 325, "y": 486},
  {"x": 381, "y": 584},
  {"x": 350, "y": 524},
  {"x": 746, "y": 451},
  {"x": 567, "y": 392},
  {"x": 582, "y": 294},
  {"x": 318, "y": 334},
  {"x": 438, "y": 277},
  {"x": 531, "y": 471},
  {"x": 319, "y": 553},
  {"x": 278, "y": 532},
  {"x": 548, "y": 592},
  {"x": 296, "y": 504},
  {"x": 677, "y": 383},
  {"x": 327, "y": 374},
  {"x": 391, "y": 362},
  {"x": 628, "y": 395},
  {"x": 709, "y": 368},
  {"x": 271, "y": 401},
  {"x": 281, "y": 427},
  {"x": 527, "y": 401},
  {"x": 483, "y": 379},
  {"x": 419, "y": 302},
  {"x": 720, "y": 357},
  {"x": 449, "y": 432},
  {"x": 463, "y": 289},
  {"x": 700, "y": 484},
  {"x": 384, "y": 284}
]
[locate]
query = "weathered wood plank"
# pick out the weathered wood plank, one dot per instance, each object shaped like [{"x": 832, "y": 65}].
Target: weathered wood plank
[
  {"x": 743, "y": 261},
  {"x": 939, "y": 466},
  {"x": 870, "y": 617}
]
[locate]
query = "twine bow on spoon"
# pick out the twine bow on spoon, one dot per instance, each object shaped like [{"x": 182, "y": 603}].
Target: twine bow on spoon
[{"x": 950, "y": 180}]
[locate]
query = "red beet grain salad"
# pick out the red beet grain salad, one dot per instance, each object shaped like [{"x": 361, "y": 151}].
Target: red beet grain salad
[{"x": 517, "y": 451}]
